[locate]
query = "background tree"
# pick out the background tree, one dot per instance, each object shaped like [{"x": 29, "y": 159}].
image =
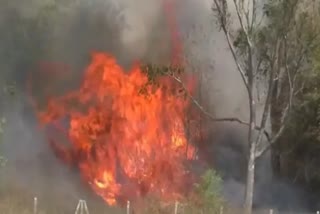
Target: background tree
[
  {"x": 271, "y": 50},
  {"x": 295, "y": 156}
]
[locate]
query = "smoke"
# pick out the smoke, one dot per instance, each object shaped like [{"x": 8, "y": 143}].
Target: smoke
[
  {"x": 224, "y": 95},
  {"x": 130, "y": 30},
  {"x": 122, "y": 28}
]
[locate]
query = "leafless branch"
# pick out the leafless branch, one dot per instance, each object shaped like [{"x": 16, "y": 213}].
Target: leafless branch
[
  {"x": 286, "y": 111},
  {"x": 243, "y": 27},
  {"x": 271, "y": 84},
  {"x": 232, "y": 49},
  {"x": 276, "y": 136},
  {"x": 254, "y": 13},
  {"x": 247, "y": 15},
  {"x": 210, "y": 116}
]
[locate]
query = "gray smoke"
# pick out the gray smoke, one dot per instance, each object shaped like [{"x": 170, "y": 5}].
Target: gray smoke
[
  {"x": 122, "y": 28},
  {"x": 130, "y": 30},
  {"x": 225, "y": 96}
]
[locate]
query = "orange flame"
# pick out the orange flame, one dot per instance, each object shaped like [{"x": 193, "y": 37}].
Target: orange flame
[{"x": 125, "y": 144}]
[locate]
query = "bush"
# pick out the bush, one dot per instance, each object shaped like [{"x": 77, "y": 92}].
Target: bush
[
  {"x": 207, "y": 195},
  {"x": 206, "y": 198}
]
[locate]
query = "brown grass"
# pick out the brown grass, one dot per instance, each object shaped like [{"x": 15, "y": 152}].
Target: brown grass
[{"x": 19, "y": 199}]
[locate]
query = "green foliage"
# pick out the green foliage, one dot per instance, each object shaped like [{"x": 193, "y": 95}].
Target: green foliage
[
  {"x": 300, "y": 143},
  {"x": 207, "y": 195},
  {"x": 286, "y": 31},
  {"x": 306, "y": 117},
  {"x": 155, "y": 72},
  {"x": 205, "y": 198}
]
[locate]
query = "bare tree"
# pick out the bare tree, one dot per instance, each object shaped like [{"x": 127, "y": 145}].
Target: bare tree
[{"x": 271, "y": 48}]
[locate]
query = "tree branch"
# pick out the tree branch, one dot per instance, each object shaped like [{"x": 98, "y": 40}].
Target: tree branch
[
  {"x": 275, "y": 137},
  {"x": 286, "y": 112},
  {"x": 210, "y": 116},
  {"x": 232, "y": 49},
  {"x": 243, "y": 27},
  {"x": 254, "y": 13},
  {"x": 271, "y": 85}
]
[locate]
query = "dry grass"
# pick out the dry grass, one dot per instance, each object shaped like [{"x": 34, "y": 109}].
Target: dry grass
[
  {"x": 23, "y": 204},
  {"x": 19, "y": 199}
]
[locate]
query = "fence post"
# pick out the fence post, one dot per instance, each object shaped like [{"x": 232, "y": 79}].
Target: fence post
[
  {"x": 35, "y": 205},
  {"x": 221, "y": 210},
  {"x": 82, "y": 207},
  {"x": 271, "y": 211},
  {"x": 176, "y": 207},
  {"x": 85, "y": 207},
  {"x": 128, "y": 207}
]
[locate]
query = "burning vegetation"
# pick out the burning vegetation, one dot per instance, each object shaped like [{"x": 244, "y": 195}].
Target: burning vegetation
[
  {"x": 126, "y": 136},
  {"x": 127, "y": 132}
]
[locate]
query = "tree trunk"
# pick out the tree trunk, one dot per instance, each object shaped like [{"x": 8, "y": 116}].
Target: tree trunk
[
  {"x": 250, "y": 180},
  {"x": 278, "y": 104}
]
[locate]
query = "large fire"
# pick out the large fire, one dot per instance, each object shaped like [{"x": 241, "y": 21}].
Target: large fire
[{"x": 126, "y": 144}]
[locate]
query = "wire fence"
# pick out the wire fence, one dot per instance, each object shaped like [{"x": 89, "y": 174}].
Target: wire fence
[{"x": 177, "y": 208}]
